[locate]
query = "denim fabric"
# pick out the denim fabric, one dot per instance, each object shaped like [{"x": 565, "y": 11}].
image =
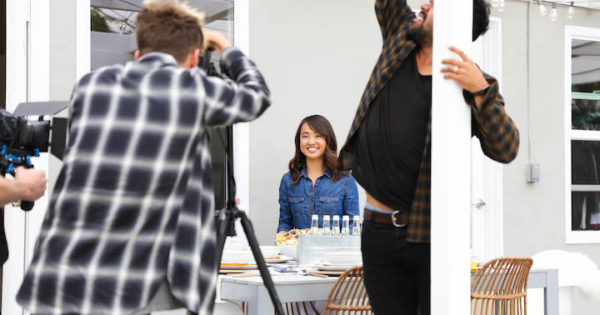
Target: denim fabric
[{"x": 297, "y": 203}]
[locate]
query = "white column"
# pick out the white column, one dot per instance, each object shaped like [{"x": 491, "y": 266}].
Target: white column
[
  {"x": 241, "y": 132},
  {"x": 27, "y": 80},
  {"x": 450, "y": 171}
]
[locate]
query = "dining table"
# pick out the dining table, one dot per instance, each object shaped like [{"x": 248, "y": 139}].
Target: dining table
[{"x": 298, "y": 288}]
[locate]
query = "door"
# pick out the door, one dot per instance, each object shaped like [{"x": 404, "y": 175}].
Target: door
[{"x": 486, "y": 175}]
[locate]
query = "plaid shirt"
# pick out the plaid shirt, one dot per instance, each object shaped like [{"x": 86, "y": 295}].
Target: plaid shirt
[
  {"x": 498, "y": 134},
  {"x": 133, "y": 203}
]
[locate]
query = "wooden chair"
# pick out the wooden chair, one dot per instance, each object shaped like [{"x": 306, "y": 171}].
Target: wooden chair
[
  {"x": 348, "y": 295},
  {"x": 500, "y": 287}
]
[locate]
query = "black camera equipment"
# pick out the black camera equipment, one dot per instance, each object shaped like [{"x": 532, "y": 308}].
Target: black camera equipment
[
  {"x": 225, "y": 218},
  {"x": 22, "y": 139}
]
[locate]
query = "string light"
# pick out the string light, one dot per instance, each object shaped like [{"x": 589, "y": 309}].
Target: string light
[
  {"x": 571, "y": 11},
  {"x": 500, "y": 5},
  {"x": 542, "y": 8},
  {"x": 553, "y": 13}
]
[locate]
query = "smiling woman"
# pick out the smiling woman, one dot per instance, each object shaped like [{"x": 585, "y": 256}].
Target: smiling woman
[{"x": 314, "y": 185}]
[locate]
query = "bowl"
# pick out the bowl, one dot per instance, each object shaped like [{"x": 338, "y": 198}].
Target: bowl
[{"x": 288, "y": 250}]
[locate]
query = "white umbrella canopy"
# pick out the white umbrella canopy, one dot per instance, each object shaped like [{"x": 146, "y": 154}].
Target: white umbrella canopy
[{"x": 586, "y": 61}]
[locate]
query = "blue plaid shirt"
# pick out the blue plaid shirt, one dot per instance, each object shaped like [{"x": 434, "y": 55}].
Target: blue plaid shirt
[{"x": 133, "y": 203}]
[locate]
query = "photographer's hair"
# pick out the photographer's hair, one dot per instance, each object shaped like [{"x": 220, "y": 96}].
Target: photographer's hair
[
  {"x": 481, "y": 18},
  {"x": 320, "y": 125},
  {"x": 170, "y": 27}
]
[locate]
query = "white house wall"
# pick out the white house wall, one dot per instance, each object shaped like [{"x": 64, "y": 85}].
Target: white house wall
[
  {"x": 316, "y": 57},
  {"x": 534, "y": 214}
]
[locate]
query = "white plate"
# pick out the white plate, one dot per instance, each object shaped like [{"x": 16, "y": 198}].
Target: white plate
[
  {"x": 234, "y": 267},
  {"x": 281, "y": 259},
  {"x": 327, "y": 272},
  {"x": 330, "y": 267}
]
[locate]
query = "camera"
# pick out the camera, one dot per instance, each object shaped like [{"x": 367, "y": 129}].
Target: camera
[{"x": 21, "y": 138}]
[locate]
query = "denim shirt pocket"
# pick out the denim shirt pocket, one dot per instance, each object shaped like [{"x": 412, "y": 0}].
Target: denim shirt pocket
[
  {"x": 330, "y": 205},
  {"x": 297, "y": 205}
]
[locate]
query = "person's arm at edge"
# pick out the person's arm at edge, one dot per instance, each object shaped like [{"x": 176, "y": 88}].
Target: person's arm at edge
[
  {"x": 351, "y": 206},
  {"x": 285, "y": 214},
  {"x": 29, "y": 185},
  {"x": 391, "y": 14}
]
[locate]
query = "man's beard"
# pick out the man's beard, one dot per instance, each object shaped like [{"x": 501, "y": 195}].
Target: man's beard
[{"x": 421, "y": 36}]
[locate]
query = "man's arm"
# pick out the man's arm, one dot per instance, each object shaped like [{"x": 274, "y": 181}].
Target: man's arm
[
  {"x": 29, "y": 185},
  {"x": 243, "y": 99},
  {"x": 391, "y": 14},
  {"x": 496, "y": 131}
]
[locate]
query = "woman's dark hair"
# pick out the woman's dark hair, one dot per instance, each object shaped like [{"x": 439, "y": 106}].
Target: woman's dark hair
[
  {"x": 481, "y": 18},
  {"x": 320, "y": 125}
]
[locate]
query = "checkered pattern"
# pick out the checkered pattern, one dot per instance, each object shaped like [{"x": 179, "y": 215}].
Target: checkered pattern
[
  {"x": 498, "y": 134},
  {"x": 133, "y": 203}
]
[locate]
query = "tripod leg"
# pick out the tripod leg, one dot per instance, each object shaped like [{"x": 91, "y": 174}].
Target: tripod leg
[
  {"x": 222, "y": 224},
  {"x": 260, "y": 261}
]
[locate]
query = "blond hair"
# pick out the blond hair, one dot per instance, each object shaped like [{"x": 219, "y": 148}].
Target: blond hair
[{"x": 170, "y": 27}]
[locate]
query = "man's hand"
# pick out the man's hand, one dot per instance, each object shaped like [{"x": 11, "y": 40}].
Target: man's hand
[
  {"x": 29, "y": 184},
  {"x": 465, "y": 72},
  {"x": 216, "y": 40}
]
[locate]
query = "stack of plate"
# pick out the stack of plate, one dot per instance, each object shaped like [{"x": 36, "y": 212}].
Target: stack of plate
[{"x": 335, "y": 263}]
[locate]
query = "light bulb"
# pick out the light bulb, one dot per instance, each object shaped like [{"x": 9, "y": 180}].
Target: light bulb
[
  {"x": 571, "y": 13},
  {"x": 500, "y": 5},
  {"x": 494, "y": 3},
  {"x": 553, "y": 15},
  {"x": 542, "y": 9}
]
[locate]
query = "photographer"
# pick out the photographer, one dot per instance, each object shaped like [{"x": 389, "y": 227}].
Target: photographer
[
  {"x": 130, "y": 225},
  {"x": 29, "y": 184}
]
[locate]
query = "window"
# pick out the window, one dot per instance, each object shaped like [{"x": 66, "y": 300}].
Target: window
[
  {"x": 113, "y": 41},
  {"x": 582, "y": 121}
]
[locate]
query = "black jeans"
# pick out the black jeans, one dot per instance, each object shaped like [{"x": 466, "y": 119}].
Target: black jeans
[{"x": 397, "y": 273}]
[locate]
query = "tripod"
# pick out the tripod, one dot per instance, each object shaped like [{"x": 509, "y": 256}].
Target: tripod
[{"x": 226, "y": 225}]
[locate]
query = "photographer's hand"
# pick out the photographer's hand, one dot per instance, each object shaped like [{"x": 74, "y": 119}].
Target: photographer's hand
[
  {"x": 216, "y": 40},
  {"x": 29, "y": 184}
]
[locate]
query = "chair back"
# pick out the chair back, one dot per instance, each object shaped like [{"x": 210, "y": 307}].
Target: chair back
[
  {"x": 348, "y": 295},
  {"x": 500, "y": 287}
]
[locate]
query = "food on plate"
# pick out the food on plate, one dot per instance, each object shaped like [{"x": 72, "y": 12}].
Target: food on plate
[{"x": 290, "y": 237}]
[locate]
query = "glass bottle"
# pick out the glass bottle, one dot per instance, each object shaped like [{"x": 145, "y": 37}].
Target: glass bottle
[
  {"x": 345, "y": 225},
  {"x": 314, "y": 224},
  {"x": 356, "y": 225},
  {"x": 326, "y": 225},
  {"x": 335, "y": 225}
]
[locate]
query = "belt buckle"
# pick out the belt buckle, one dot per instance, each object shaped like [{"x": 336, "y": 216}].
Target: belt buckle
[{"x": 394, "y": 219}]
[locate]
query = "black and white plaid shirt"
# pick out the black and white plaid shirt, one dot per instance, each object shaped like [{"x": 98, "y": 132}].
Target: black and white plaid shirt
[{"x": 133, "y": 203}]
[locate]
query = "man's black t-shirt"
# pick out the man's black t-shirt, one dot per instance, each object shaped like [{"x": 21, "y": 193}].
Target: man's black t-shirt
[{"x": 391, "y": 138}]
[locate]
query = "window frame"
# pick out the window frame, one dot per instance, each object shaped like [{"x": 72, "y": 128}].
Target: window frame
[{"x": 582, "y": 33}]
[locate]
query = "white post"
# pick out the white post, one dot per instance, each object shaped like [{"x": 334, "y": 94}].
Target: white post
[
  {"x": 451, "y": 167},
  {"x": 28, "y": 67}
]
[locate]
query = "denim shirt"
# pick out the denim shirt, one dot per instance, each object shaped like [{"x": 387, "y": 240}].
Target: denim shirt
[{"x": 299, "y": 202}]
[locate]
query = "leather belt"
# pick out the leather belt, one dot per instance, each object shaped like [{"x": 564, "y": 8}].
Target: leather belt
[{"x": 396, "y": 218}]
